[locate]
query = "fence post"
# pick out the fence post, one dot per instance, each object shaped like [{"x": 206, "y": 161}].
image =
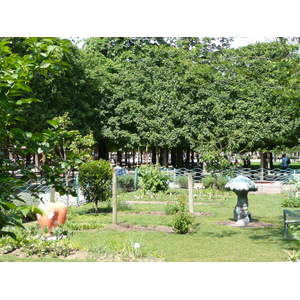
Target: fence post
[
  {"x": 135, "y": 179},
  {"x": 77, "y": 189},
  {"x": 190, "y": 185},
  {"x": 114, "y": 199},
  {"x": 52, "y": 195}
]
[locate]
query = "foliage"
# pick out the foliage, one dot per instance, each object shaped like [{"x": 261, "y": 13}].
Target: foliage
[
  {"x": 126, "y": 182},
  {"x": 183, "y": 221},
  {"x": 153, "y": 180},
  {"x": 214, "y": 181},
  {"x": 82, "y": 226},
  {"x": 294, "y": 256},
  {"x": 291, "y": 202},
  {"x": 35, "y": 57},
  {"x": 209, "y": 181},
  {"x": 172, "y": 208},
  {"x": 95, "y": 179},
  {"x": 182, "y": 181},
  {"x": 221, "y": 182},
  {"x": 33, "y": 241}
]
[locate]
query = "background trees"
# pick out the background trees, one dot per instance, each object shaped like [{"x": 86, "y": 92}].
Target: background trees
[{"x": 170, "y": 94}]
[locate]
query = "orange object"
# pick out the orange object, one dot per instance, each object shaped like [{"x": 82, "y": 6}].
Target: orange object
[{"x": 54, "y": 214}]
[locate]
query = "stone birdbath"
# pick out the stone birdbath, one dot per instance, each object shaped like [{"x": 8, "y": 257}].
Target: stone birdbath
[{"x": 241, "y": 185}]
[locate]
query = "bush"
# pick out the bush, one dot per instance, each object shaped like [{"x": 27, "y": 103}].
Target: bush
[
  {"x": 209, "y": 181},
  {"x": 182, "y": 182},
  {"x": 182, "y": 221},
  {"x": 215, "y": 182},
  {"x": 291, "y": 202},
  {"x": 126, "y": 182},
  {"x": 95, "y": 179},
  {"x": 172, "y": 208},
  {"x": 221, "y": 182},
  {"x": 153, "y": 180}
]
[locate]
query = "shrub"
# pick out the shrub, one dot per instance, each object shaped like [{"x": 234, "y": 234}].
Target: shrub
[
  {"x": 95, "y": 179},
  {"x": 126, "y": 182},
  {"x": 172, "y": 208},
  {"x": 153, "y": 180},
  {"x": 291, "y": 202},
  {"x": 209, "y": 181},
  {"x": 182, "y": 221},
  {"x": 215, "y": 182},
  {"x": 221, "y": 182},
  {"x": 182, "y": 182}
]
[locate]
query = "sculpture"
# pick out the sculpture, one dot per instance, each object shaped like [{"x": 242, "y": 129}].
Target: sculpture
[
  {"x": 54, "y": 214},
  {"x": 241, "y": 185}
]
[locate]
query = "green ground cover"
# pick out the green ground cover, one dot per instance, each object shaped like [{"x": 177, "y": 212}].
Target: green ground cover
[{"x": 211, "y": 242}]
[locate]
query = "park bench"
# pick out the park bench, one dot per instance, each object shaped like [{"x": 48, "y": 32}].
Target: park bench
[{"x": 291, "y": 217}]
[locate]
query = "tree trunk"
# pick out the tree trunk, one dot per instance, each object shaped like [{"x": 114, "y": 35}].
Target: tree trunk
[
  {"x": 147, "y": 156},
  {"x": 262, "y": 164},
  {"x": 154, "y": 155},
  {"x": 179, "y": 156},
  {"x": 269, "y": 160},
  {"x": 102, "y": 150},
  {"x": 173, "y": 158},
  {"x": 119, "y": 157},
  {"x": 188, "y": 154},
  {"x": 165, "y": 160}
]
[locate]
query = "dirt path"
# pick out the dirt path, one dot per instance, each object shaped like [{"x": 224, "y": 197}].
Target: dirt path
[{"x": 161, "y": 202}]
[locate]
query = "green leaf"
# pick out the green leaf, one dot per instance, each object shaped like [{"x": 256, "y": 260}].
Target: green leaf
[
  {"x": 27, "y": 101},
  {"x": 54, "y": 123},
  {"x": 11, "y": 234},
  {"x": 9, "y": 205},
  {"x": 46, "y": 168}
]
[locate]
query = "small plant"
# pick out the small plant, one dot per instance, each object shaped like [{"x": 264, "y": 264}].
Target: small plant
[
  {"x": 183, "y": 221},
  {"x": 294, "y": 256},
  {"x": 153, "y": 180},
  {"x": 83, "y": 226},
  {"x": 34, "y": 242},
  {"x": 291, "y": 202},
  {"x": 209, "y": 181},
  {"x": 123, "y": 205},
  {"x": 182, "y": 182},
  {"x": 172, "y": 208},
  {"x": 221, "y": 182},
  {"x": 126, "y": 182}
]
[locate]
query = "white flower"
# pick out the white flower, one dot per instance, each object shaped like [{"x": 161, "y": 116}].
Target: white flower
[{"x": 136, "y": 245}]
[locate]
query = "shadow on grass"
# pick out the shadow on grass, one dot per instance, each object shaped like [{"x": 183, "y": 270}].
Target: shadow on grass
[
  {"x": 222, "y": 234},
  {"x": 273, "y": 235},
  {"x": 101, "y": 210}
]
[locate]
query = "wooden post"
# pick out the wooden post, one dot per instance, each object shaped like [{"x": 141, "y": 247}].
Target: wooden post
[
  {"x": 114, "y": 198},
  {"x": 52, "y": 195},
  {"x": 190, "y": 185}
]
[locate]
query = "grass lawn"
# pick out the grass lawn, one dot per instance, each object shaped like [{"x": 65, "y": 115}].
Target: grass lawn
[{"x": 211, "y": 242}]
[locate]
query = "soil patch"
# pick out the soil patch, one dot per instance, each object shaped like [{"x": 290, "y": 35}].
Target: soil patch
[
  {"x": 162, "y": 213},
  {"x": 250, "y": 225},
  {"x": 161, "y": 202}
]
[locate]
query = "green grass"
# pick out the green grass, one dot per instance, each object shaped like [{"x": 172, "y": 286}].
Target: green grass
[
  {"x": 294, "y": 165},
  {"x": 211, "y": 242}
]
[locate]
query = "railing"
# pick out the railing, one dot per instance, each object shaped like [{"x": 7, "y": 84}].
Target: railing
[{"x": 286, "y": 176}]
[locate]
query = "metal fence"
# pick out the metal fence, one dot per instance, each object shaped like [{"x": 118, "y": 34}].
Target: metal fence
[{"x": 286, "y": 176}]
